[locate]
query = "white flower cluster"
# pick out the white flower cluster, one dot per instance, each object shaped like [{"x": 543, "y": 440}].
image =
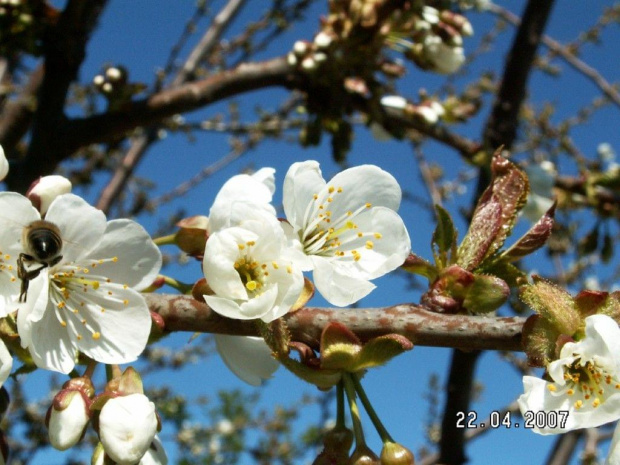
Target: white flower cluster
[
  {"x": 74, "y": 280},
  {"x": 583, "y": 390},
  {"x": 346, "y": 231},
  {"x": 439, "y": 40}
]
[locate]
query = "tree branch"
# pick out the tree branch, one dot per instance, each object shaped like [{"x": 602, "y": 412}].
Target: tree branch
[
  {"x": 557, "y": 48},
  {"x": 420, "y": 326},
  {"x": 141, "y": 144}
]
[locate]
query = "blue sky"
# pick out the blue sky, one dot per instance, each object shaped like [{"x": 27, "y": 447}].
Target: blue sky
[{"x": 138, "y": 34}]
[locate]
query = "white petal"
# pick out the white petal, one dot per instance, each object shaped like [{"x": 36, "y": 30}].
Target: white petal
[
  {"x": 247, "y": 357},
  {"x": 365, "y": 184},
  {"x": 336, "y": 286},
  {"x": 613, "y": 456},
  {"x": 16, "y": 212},
  {"x": 257, "y": 189},
  {"x": 34, "y": 308},
  {"x": 127, "y": 426},
  {"x": 124, "y": 324},
  {"x": 302, "y": 181},
  {"x": 156, "y": 454},
  {"x": 50, "y": 345},
  {"x": 139, "y": 259},
  {"x": 6, "y": 363},
  {"x": 81, "y": 225},
  {"x": 248, "y": 310},
  {"x": 221, "y": 252}
]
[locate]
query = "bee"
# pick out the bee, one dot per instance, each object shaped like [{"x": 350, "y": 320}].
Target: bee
[{"x": 43, "y": 245}]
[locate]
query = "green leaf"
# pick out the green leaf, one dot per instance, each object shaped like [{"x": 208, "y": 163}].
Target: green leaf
[
  {"x": 380, "y": 350},
  {"x": 417, "y": 265},
  {"x": 339, "y": 347},
  {"x": 553, "y": 304},
  {"x": 531, "y": 241},
  {"x": 444, "y": 239},
  {"x": 539, "y": 338},
  {"x": 495, "y": 214}
]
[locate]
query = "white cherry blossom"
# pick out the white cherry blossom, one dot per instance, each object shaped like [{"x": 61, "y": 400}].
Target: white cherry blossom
[
  {"x": 44, "y": 190},
  {"x": 248, "y": 269},
  {"x": 66, "y": 426},
  {"x": 88, "y": 301},
  {"x": 585, "y": 381},
  {"x": 346, "y": 230},
  {"x": 6, "y": 363}
]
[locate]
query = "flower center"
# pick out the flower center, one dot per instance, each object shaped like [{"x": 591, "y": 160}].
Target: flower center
[
  {"x": 75, "y": 293},
  {"x": 7, "y": 267},
  {"x": 589, "y": 382},
  {"x": 340, "y": 236},
  {"x": 251, "y": 272}
]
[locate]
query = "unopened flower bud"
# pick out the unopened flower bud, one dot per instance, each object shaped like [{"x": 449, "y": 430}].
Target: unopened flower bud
[
  {"x": 323, "y": 40},
  {"x": 107, "y": 87},
  {"x": 301, "y": 47},
  {"x": 320, "y": 57},
  {"x": 308, "y": 64},
  {"x": 291, "y": 59},
  {"x": 426, "y": 113},
  {"x": 395, "y": 454},
  {"x": 362, "y": 455},
  {"x": 4, "y": 164},
  {"x": 395, "y": 102},
  {"x": 127, "y": 427},
  {"x": 69, "y": 413},
  {"x": 98, "y": 80},
  {"x": 114, "y": 74},
  {"x": 45, "y": 189}
]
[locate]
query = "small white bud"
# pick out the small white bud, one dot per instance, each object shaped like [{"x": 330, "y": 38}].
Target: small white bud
[
  {"x": 127, "y": 427},
  {"x": 4, "y": 164},
  {"x": 323, "y": 40},
  {"x": 395, "y": 102},
  {"x": 98, "y": 80},
  {"x": 308, "y": 64},
  {"x": 320, "y": 57},
  {"x": 291, "y": 59},
  {"x": 300, "y": 47},
  {"x": 66, "y": 426},
  {"x": 43, "y": 191},
  {"x": 107, "y": 88},
  {"x": 430, "y": 15},
  {"x": 225, "y": 427},
  {"x": 427, "y": 114},
  {"x": 467, "y": 29},
  {"x": 437, "y": 108},
  {"x": 113, "y": 74}
]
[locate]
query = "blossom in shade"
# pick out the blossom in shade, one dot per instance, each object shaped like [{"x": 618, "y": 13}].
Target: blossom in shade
[
  {"x": 584, "y": 381},
  {"x": 346, "y": 230},
  {"x": 247, "y": 357},
  {"x": 88, "y": 301}
]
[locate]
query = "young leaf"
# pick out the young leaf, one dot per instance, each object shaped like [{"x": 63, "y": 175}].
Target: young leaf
[
  {"x": 444, "y": 239},
  {"x": 531, "y": 241}
]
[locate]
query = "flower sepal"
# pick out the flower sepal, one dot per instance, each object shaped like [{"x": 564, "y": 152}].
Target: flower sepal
[
  {"x": 342, "y": 350},
  {"x": 192, "y": 235}
]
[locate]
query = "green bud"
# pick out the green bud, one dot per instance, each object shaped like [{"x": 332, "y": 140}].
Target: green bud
[
  {"x": 395, "y": 454},
  {"x": 362, "y": 455}
]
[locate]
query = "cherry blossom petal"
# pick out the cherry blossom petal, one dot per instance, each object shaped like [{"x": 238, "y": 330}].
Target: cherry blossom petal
[
  {"x": 81, "y": 225},
  {"x": 336, "y": 285},
  {"x": 139, "y": 259},
  {"x": 247, "y": 357},
  {"x": 6, "y": 363},
  {"x": 303, "y": 180}
]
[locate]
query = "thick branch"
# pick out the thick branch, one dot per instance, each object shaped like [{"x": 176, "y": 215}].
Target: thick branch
[
  {"x": 557, "y": 48},
  {"x": 141, "y": 144},
  {"x": 501, "y": 128},
  {"x": 65, "y": 50},
  {"x": 183, "y": 313}
]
